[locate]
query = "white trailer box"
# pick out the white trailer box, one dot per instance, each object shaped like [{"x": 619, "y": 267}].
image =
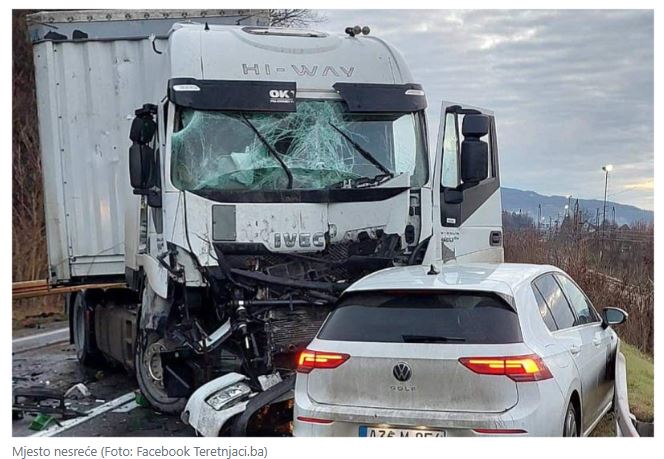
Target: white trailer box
[{"x": 92, "y": 70}]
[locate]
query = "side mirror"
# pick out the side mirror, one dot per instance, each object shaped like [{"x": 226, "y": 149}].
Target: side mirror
[
  {"x": 141, "y": 155},
  {"x": 141, "y": 159},
  {"x": 613, "y": 316},
  {"x": 474, "y": 151},
  {"x": 452, "y": 196},
  {"x": 142, "y": 130}
]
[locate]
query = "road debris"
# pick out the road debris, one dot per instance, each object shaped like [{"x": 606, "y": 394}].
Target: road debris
[
  {"x": 42, "y": 402},
  {"x": 78, "y": 391},
  {"x": 42, "y": 421}
]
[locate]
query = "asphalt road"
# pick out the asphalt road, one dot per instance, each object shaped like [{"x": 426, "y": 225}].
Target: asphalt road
[{"x": 38, "y": 364}]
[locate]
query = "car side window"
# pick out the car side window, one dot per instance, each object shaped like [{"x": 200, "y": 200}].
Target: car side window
[
  {"x": 585, "y": 313},
  {"x": 555, "y": 299},
  {"x": 544, "y": 310}
]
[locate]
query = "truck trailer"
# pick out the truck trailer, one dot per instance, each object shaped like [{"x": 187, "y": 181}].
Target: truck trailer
[{"x": 237, "y": 178}]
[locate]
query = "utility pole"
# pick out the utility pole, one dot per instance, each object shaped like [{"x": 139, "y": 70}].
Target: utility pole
[
  {"x": 614, "y": 216},
  {"x": 539, "y": 216},
  {"x": 608, "y": 168},
  {"x": 577, "y": 216}
]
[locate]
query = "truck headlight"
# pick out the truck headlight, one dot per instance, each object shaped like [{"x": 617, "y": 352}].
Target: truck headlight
[{"x": 228, "y": 395}]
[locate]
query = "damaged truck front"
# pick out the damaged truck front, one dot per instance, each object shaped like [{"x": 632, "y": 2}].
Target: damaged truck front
[
  {"x": 275, "y": 196},
  {"x": 272, "y": 169}
]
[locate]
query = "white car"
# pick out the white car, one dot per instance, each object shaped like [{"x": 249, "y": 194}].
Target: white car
[{"x": 459, "y": 350}]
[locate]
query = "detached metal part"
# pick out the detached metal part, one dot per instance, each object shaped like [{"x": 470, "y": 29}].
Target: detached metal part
[{"x": 216, "y": 338}]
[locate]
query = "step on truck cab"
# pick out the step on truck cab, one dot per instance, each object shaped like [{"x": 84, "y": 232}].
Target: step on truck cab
[{"x": 238, "y": 178}]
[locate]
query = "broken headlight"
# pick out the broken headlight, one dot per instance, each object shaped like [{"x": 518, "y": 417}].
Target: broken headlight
[{"x": 228, "y": 395}]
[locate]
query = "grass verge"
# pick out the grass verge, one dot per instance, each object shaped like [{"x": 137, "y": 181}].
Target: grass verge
[{"x": 640, "y": 390}]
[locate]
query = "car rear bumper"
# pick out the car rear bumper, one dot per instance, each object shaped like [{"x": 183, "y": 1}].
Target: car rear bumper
[{"x": 539, "y": 412}]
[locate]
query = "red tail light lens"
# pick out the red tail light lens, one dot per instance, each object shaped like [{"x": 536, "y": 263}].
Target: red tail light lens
[
  {"x": 519, "y": 368},
  {"x": 314, "y": 420},
  {"x": 500, "y": 431},
  {"x": 308, "y": 360}
]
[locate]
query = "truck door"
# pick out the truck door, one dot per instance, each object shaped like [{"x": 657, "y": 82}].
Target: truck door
[{"x": 467, "y": 202}]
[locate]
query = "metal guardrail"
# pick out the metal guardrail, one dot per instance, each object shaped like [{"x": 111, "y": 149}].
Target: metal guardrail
[
  {"x": 30, "y": 289},
  {"x": 626, "y": 423}
]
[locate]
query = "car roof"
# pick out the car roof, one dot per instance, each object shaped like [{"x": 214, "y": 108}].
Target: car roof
[{"x": 493, "y": 277}]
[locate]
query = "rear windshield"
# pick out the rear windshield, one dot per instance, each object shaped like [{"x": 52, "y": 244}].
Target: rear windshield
[{"x": 423, "y": 317}]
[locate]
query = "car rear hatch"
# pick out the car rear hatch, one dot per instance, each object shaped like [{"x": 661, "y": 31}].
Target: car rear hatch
[{"x": 405, "y": 349}]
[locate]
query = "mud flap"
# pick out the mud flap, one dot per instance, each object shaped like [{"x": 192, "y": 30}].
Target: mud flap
[{"x": 239, "y": 427}]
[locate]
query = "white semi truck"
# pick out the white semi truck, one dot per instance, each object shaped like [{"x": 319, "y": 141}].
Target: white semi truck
[{"x": 238, "y": 178}]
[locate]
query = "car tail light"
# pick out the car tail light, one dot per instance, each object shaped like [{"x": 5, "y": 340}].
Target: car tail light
[
  {"x": 499, "y": 431},
  {"x": 308, "y": 360},
  {"x": 519, "y": 368},
  {"x": 314, "y": 420}
]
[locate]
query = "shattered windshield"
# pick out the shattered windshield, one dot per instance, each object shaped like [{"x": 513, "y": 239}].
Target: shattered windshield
[{"x": 318, "y": 146}]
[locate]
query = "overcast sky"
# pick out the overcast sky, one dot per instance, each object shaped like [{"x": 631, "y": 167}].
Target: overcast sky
[{"x": 571, "y": 90}]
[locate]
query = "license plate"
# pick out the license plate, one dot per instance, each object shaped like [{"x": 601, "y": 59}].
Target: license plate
[{"x": 367, "y": 431}]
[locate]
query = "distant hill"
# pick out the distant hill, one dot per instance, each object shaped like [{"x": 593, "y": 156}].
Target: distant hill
[{"x": 527, "y": 201}]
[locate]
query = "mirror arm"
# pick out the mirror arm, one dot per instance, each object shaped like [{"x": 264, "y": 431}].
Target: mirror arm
[{"x": 154, "y": 197}]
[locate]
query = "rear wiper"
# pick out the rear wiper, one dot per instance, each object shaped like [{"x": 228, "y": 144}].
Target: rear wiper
[
  {"x": 365, "y": 153},
  {"x": 431, "y": 339},
  {"x": 272, "y": 151}
]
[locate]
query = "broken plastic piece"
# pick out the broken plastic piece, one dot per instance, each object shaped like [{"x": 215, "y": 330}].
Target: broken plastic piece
[
  {"x": 77, "y": 390},
  {"x": 141, "y": 400},
  {"x": 42, "y": 421}
]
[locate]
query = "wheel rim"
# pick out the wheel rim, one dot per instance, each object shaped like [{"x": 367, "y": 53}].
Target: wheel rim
[
  {"x": 570, "y": 424},
  {"x": 152, "y": 363}
]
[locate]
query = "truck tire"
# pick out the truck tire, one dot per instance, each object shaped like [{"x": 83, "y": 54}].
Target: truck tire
[
  {"x": 149, "y": 374},
  {"x": 82, "y": 326}
]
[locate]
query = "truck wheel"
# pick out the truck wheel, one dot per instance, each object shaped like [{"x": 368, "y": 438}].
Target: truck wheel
[
  {"x": 82, "y": 332},
  {"x": 149, "y": 374}
]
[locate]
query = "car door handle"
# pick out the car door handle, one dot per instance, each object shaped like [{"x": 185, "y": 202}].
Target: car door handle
[
  {"x": 597, "y": 341},
  {"x": 574, "y": 349}
]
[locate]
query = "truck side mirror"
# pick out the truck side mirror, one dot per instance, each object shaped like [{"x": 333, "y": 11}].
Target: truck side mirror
[
  {"x": 141, "y": 155},
  {"x": 142, "y": 129},
  {"x": 474, "y": 151},
  {"x": 141, "y": 158},
  {"x": 452, "y": 196}
]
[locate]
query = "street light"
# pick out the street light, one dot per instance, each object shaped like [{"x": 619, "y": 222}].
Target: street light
[
  {"x": 608, "y": 168},
  {"x": 569, "y": 203}
]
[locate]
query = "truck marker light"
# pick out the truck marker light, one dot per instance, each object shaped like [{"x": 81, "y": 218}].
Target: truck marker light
[
  {"x": 521, "y": 368},
  {"x": 308, "y": 360},
  {"x": 186, "y": 87}
]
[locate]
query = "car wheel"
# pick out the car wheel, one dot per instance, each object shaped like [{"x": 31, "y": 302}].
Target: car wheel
[
  {"x": 571, "y": 426},
  {"x": 82, "y": 332},
  {"x": 149, "y": 374}
]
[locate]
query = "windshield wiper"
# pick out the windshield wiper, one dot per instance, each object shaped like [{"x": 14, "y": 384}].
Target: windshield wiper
[
  {"x": 431, "y": 339},
  {"x": 361, "y": 182},
  {"x": 366, "y": 154},
  {"x": 272, "y": 151}
]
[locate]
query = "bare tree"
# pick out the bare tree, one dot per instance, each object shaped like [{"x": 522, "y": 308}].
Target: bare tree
[{"x": 295, "y": 18}]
